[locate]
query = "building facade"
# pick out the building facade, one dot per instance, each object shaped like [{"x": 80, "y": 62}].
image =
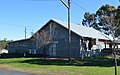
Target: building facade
[{"x": 52, "y": 38}]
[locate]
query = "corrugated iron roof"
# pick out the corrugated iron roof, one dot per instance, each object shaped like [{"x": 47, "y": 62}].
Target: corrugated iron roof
[
  {"x": 78, "y": 29},
  {"x": 84, "y": 31}
]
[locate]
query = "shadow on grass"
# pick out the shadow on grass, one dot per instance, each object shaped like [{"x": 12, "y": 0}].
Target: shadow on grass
[{"x": 100, "y": 63}]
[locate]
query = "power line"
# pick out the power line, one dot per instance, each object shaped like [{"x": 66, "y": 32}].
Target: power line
[
  {"x": 9, "y": 24},
  {"x": 15, "y": 25},
  {"x": 42, "y": 0},
  {"x": 79, "y": 6}
]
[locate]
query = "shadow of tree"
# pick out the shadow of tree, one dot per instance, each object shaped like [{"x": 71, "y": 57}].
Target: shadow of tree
[{"x": 100, "y": 63}]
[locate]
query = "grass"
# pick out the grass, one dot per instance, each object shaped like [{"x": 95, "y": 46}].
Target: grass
[{"x": 60, "y": 67}]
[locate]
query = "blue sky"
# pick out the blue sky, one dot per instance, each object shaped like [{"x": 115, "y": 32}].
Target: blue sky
[{"x": 15, "y": 15}]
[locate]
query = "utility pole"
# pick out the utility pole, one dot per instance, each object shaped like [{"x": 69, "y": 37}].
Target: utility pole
[
  {"x": 25, "y": 32},
  {"x": 69, "y": 32}
]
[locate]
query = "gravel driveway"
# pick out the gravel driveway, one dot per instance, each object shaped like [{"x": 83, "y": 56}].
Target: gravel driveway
[{"x": 11, "y": 72}]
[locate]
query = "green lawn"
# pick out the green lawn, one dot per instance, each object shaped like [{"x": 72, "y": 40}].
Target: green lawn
[{"x": 60, "y": 67}]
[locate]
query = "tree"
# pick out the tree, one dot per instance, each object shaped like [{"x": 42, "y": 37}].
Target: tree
[
  {"x": 105, "y": 19},
  {"x": 117, "y": 17},
  {"x": 108, "y": 21},
  {"x": 108, "y": 17},
  {"x": 44, "y": 38},
  {"x": 89, "y": 20},
  {"x": 3, "y": 43}
]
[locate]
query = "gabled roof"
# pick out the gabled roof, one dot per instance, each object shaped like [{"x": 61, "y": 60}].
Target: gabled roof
[
  {"x": 19, "y": 40},
  {"x": 84, "y": 31},
  {"x": 78, "y": 29}
]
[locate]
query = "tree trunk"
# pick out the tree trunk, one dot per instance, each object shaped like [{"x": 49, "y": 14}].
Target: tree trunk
[{"x": 44, "y": 53}]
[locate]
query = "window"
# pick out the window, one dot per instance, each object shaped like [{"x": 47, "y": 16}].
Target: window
[
  {"x": 32, "y": 51},
  {"x": 52, "y": 49}
]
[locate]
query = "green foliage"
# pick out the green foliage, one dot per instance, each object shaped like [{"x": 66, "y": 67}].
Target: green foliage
[
  {"x": 107, "y": 16},
  {"x": 60, "y": 67},
  {"x": 105, "y": 10},
  {"x": 89, "y": 18},
  {"x": 3, "y": 43}
]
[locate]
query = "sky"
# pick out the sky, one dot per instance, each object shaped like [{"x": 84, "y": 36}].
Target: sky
[{"x": 15, "y": 15}]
